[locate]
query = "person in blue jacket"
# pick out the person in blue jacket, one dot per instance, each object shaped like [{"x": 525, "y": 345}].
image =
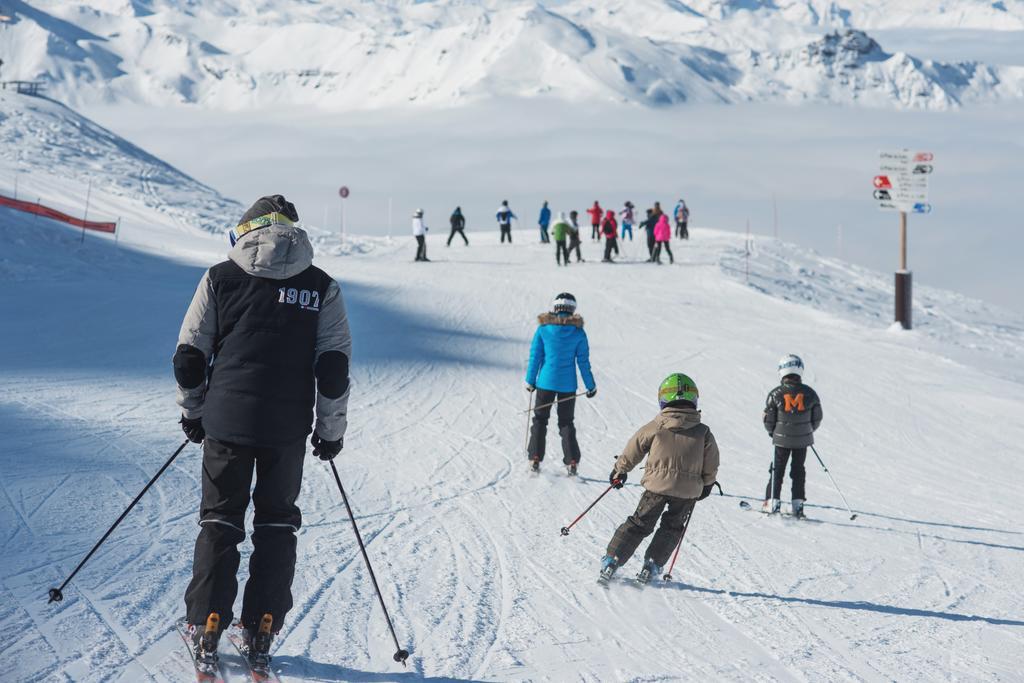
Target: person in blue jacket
[
  {"x": 559, "y": 345},
  {"x": 544, "y": 221}
]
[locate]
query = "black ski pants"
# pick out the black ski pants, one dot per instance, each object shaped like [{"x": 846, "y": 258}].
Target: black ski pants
[
  {"x": 595, "y": 231},
  {"x": 566, "y": 428},
  {"x": 674, "y": 514},
  {"x": 506, "y": 231},
  {"x": 421, "y": 248},
  {"x": 574, "y": 245},
  {"x": 650, "y": 245},
  {"x": 656, "y": 256},
  {"x": 777, "y": 472},
  {"x": 561, "y": 251},
  {"x": 227, "y": 477},
  {"x": 460, "y": 232},
  {"x": 611, "y": 244}
]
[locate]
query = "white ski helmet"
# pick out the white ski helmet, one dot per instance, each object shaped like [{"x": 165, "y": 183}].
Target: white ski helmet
[
  {"x": 564, "y": 303},
  {"x": 791, "y": 365}
]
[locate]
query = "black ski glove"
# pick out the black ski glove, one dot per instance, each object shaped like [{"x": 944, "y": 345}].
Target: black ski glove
[
  {"x": 193, "y": 428},
  {"x": 531, "y": 388},
  {"x": 617, "y": 479},
  {"x": 591, "y": 393},
  {"x": 706, "y": 492},
  {"x": 326, "y": 450}
]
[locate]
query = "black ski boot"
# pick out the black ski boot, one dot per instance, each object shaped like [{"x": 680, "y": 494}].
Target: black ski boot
[
  {"x": 256, "y": 646},
  {"x": 204, "y": 643},
  {"x": 534, "y": 466},
  {"x": 570, "y": 469}
]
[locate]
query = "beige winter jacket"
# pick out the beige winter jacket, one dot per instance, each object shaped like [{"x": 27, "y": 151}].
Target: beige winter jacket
[{"x": 683, "y": 455}]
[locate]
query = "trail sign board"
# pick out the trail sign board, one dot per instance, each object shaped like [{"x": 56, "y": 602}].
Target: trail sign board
[{"x": 902, "y": 180}]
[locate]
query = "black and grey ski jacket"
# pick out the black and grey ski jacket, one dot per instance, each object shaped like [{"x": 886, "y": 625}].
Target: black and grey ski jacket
[
  {"x": 265, "y": 339},
  {"x": 791, "y": 415}
]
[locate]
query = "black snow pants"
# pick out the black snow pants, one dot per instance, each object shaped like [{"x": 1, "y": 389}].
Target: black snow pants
[
  {"x": 506, "y": 231},
  {"x": 650, "y": 245},
  {"x": 459, "y": 231},
  {"x": 566, "y": 428},
  {"x": 640, "y": 525},
  {"x": 561, "y": 251},
  {"x": 595, "y": 231},
  {"x": 227, "y": 476},
  {"x": 777, "y": 472},
  {"x": 611, "y": 244},
  {"x": 421, "y": 248},
  {"x": 656, "y": 256},
  {"x": 574, "y": 245}
]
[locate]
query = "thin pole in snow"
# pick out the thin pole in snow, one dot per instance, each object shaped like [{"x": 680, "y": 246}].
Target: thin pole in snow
[
  {"x": 775, "y": 217},
  {"x": 85, "y": 217},
  {"x": 117, "y": 231},
  {"x": 747, "y": 252}
]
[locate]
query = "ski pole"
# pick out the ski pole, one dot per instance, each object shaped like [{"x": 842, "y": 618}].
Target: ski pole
[
  {"x": 853, "y": 515},
  {"x": 400, "y": 654},
  {"x": 565, "y": 398},
  {"x": 686, "y": 525},
  {"x": 565, "y": 529},
  {"x": 529, "y": 409},
  {"x": 57, "y": 594},
  {"x": 679, "y": 544}
]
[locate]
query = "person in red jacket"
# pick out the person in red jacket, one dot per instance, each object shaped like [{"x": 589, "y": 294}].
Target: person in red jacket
[
  {"x": 610, "y": 229},
  {"x": 595, "y": 220}
]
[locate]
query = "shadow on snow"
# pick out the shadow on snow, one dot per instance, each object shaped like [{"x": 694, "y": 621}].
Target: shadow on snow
[{"x": 849, "y": 604}]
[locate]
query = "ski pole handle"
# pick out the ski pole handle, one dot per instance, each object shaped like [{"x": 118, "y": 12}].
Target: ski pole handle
[{"x": 565, "y": 529}]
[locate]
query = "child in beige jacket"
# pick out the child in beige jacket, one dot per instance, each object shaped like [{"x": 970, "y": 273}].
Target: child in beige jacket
[{"x": 682, "y": 466}]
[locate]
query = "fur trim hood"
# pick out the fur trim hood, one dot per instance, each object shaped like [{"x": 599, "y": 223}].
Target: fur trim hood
[{"x": 554, "y": 319}]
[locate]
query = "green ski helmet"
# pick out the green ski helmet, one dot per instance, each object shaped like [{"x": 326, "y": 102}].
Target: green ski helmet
[{"x": 677, "y": 387}]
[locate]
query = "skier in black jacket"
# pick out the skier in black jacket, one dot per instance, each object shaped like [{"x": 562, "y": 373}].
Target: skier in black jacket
[
  {"x": 265, "y": 341},
  {"x": 792, "y": 413},
  {"x": 458, "y": 222}
]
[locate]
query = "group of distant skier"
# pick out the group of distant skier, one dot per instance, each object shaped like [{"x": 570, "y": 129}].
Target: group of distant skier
[
  {"x": 682, "y": 455},
  {"x": 566, "y": 232}
]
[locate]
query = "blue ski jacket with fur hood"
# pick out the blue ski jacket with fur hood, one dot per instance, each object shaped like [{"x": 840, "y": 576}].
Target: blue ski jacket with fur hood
[{"x": 559, "y": 345}]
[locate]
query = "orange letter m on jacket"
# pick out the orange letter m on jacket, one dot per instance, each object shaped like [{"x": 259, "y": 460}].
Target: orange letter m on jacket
[{"x": 794, "y": 402}]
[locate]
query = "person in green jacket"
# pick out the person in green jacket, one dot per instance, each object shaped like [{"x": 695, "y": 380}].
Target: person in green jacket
[{"x": 560, "y": 232}]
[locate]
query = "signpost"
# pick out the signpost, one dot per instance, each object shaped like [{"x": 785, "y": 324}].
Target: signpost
[
  {"x": 343, "y": 193},
  {"x": 902, "y": 185}
]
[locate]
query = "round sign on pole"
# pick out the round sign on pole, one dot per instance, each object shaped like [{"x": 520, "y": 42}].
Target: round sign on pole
[{"x": 343, "y": 192}]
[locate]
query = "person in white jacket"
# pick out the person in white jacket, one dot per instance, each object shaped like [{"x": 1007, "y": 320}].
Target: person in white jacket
[{"x": 419, "y": 231}]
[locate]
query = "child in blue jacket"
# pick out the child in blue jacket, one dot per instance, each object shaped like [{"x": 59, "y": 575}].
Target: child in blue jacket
[{"x": 559, "y": 345}]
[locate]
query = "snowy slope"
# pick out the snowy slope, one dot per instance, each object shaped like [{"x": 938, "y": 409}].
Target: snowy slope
[
  {"x": 53, "y": 154},
  {"x": 358, "y": 55},
  {"x": 924, "y": 585}
]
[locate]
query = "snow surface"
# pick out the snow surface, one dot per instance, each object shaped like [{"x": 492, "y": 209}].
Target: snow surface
[
  {"x": 922, "y": 435},
  {"x": 359, "y": 55}
]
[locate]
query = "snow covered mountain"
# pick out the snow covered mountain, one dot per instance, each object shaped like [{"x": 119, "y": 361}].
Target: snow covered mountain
[
  {"x": 55, "y": 154},
  {"x": 355, "y": 55}
]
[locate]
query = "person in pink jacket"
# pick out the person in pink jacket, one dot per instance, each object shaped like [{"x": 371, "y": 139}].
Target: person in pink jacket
[{"x": 662, "y": 234}]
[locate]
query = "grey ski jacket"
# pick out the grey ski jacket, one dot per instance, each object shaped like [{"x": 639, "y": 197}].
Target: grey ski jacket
[{"x": 264, "y": 332}]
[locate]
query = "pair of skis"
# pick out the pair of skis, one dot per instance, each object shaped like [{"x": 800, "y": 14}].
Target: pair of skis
[
  {"x": 747, "y": 506},
  {"x": 639, "y": 581},
  {"x": 215, "y": 672}
]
